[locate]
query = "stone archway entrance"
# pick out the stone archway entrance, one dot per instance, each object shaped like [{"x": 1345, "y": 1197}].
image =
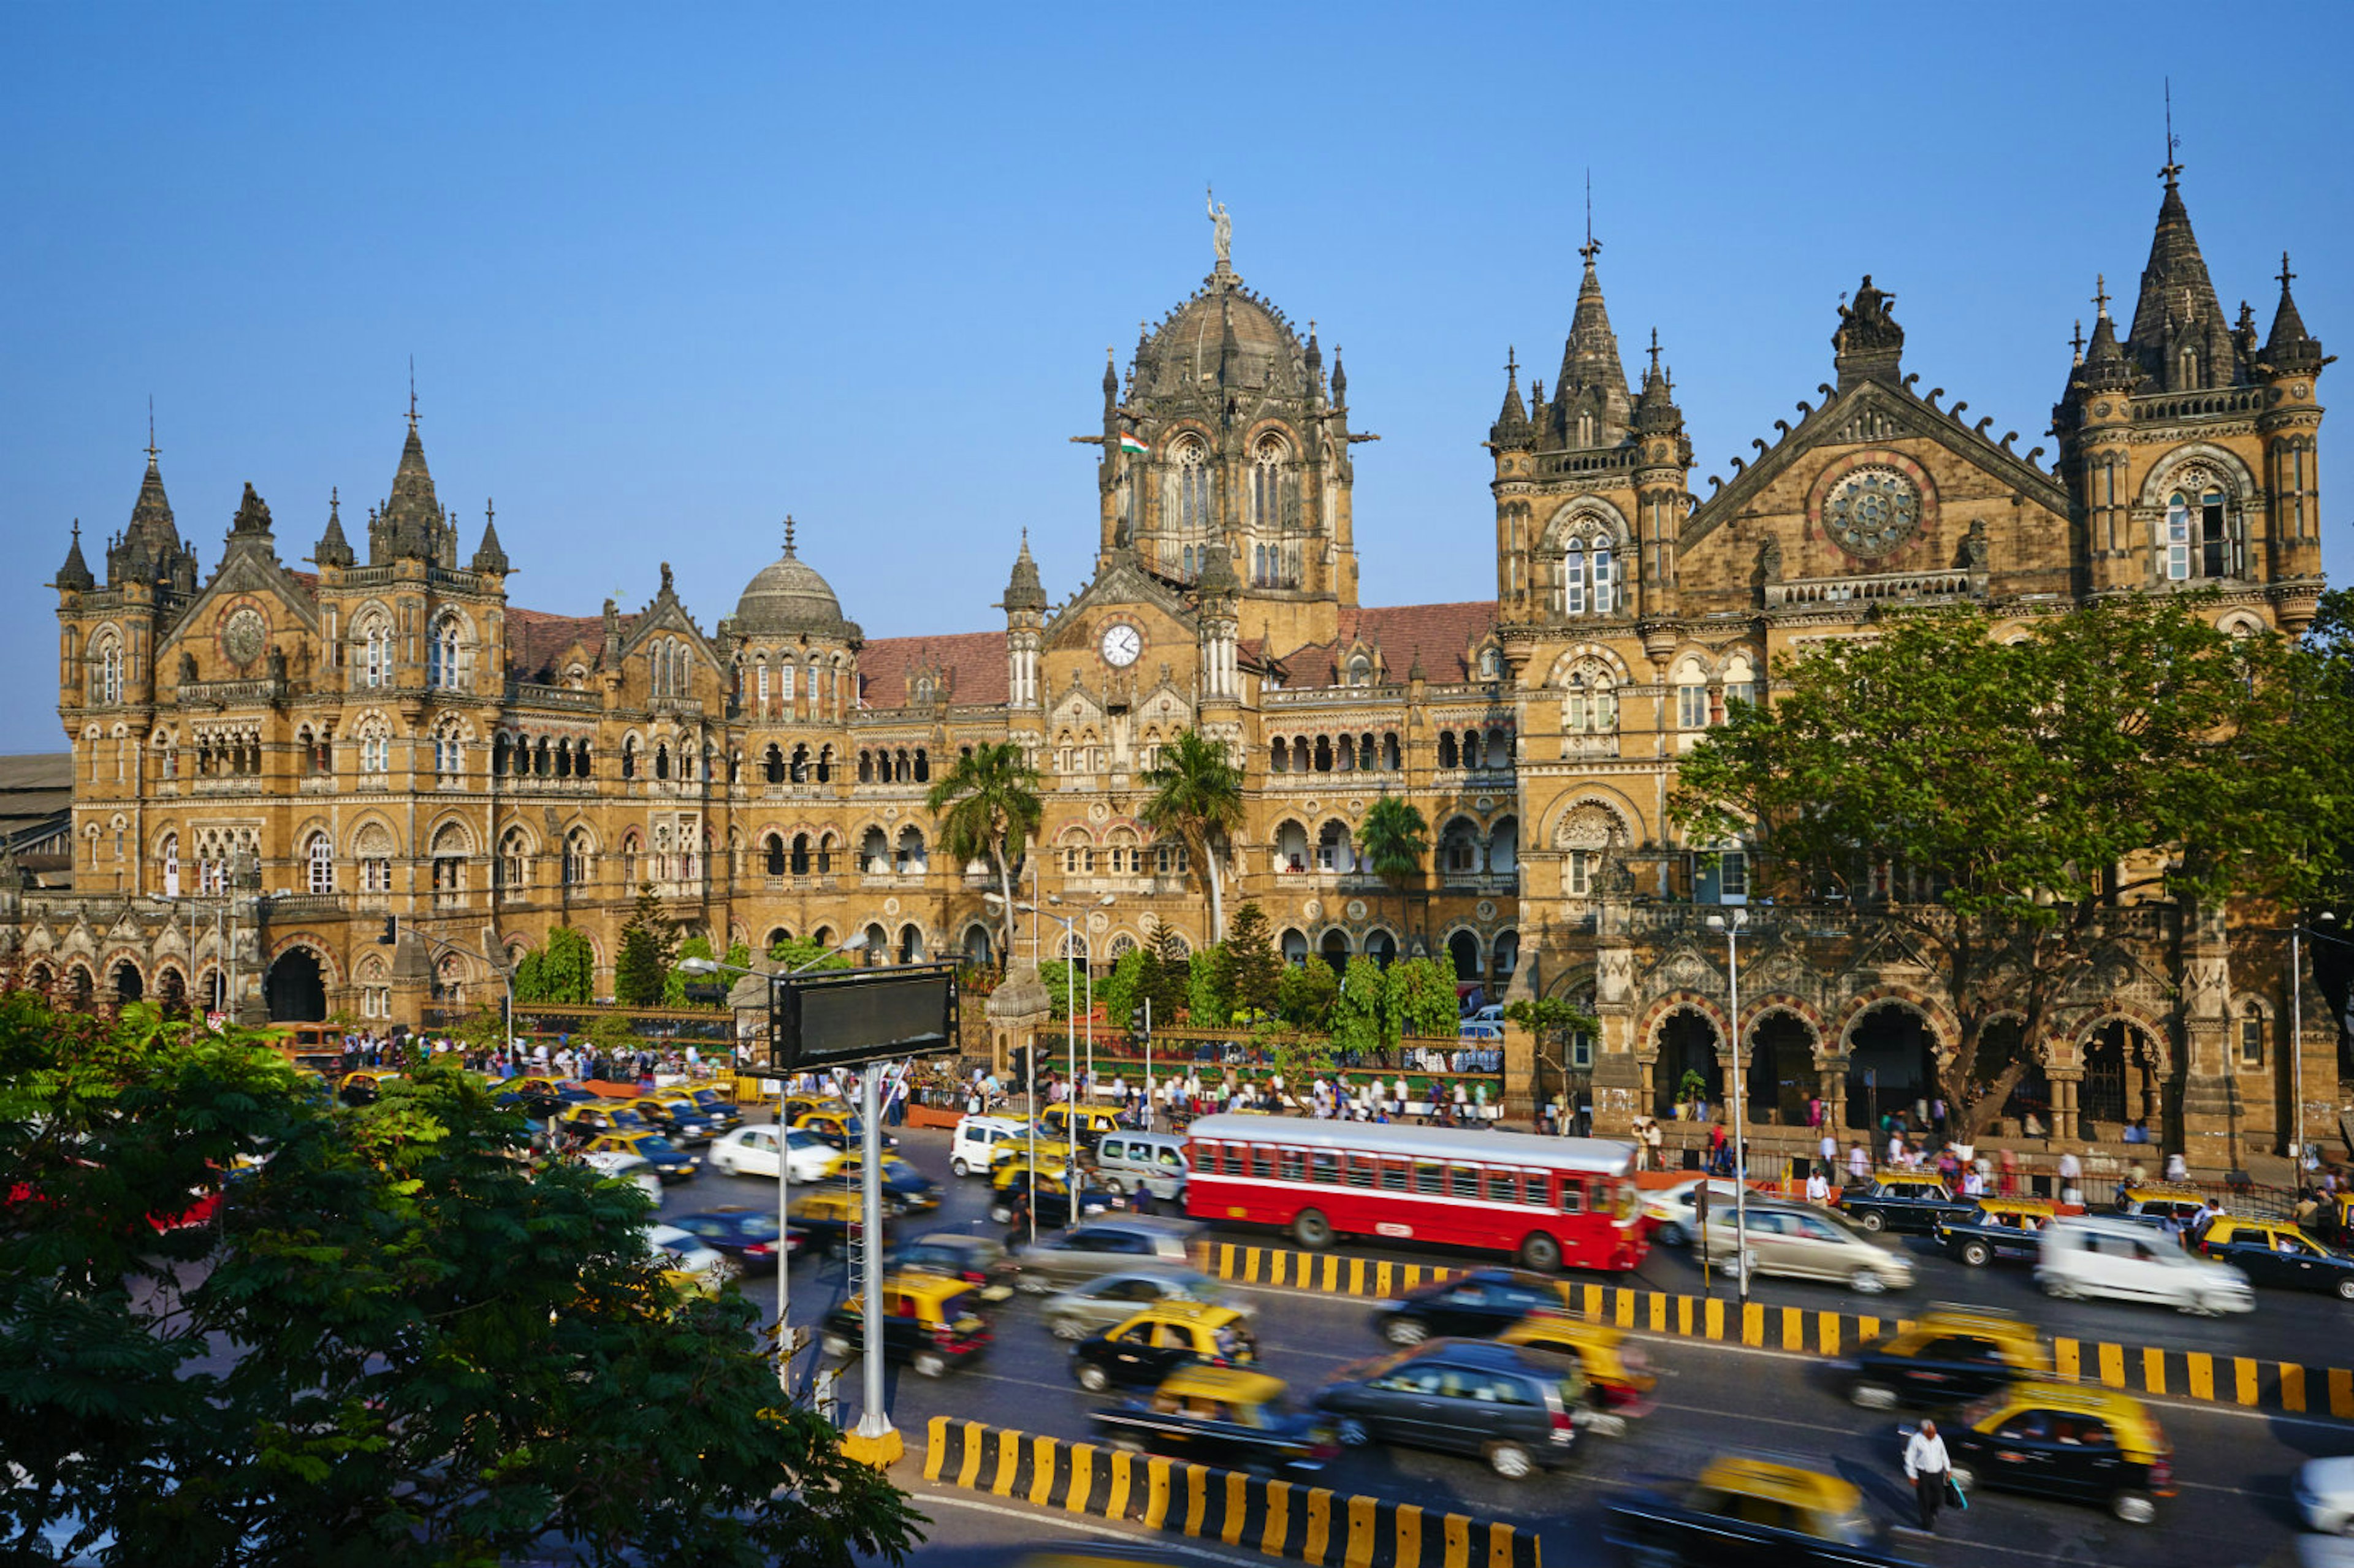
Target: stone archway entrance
[
  {"x": 1780, "y": 1071},
  {"x": 127, "y": 985},
  {"x": 1335, "y": 949},
  {"x": 1687, "y": 1045},
  {"x": 172, "y": 993},
  {"x": 1463, "y": 949},
  {"x": 2001, "y": 1041},
  {"x": 2121, "y": 1079},
  {"x": 296, "y": 988},
  {"x": 1891, "y": 1065}
]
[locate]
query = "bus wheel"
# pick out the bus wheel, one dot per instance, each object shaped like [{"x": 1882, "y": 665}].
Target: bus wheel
[
  {"x": 1312, "y": 1230},
  {"x": 1541, "y": 1252}
]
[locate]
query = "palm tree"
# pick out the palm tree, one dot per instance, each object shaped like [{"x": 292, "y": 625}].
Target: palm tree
[
  {"x": 988, "y": 806},
  {"x": 1197, "y": 794},
  {"x": 1392, "y": 840}
]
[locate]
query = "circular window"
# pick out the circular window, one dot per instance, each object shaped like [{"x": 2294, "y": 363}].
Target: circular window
[{"x": 1871, "y": 511}]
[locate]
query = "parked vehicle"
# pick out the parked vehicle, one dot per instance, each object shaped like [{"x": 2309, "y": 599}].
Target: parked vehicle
[
  {"x": 1148, "y": 1346},
  {"x": 1510, "y": 1405},
  {"x": 752, "y": 1151},
  {"x": 1110, "y": 1299},
  {"x": 929, "y": 1322},
  {"x": 1752, "y": 1513},
  {"x": 1106, "y": 1247},
  {"x": 2127, "y": 1261},
  {"x": 1152, "y": 1160},
  {"x": 2065, "y": 1441},
  {"x": 2001, "y": 1228},
  {"x": 1949, "y": 1354},
  {"x": 1801, "y": 1242},
  {"x": 974, "y": 1147},
  {"x": 1904, "y": 1201},
  {"x": 1226, "y": 1416}
]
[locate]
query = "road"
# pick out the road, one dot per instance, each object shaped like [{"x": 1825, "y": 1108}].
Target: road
[{"x": 2233, "y": 1467}]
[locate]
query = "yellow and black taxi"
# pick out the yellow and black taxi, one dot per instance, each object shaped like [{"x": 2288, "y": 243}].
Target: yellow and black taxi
[
  {"x": 2068, "y": 1441},
  {"x": 831, "y": 1217},
  {"x": 1482, "y": 1302},
  {"x": 838, "y": 1125},
  {"x": 717, "y": 1109},
  {"x": 601, "y": 1115},
  {"x": 1904, "y": 1201},
  {"x": 1053, "y": 1198},
  {"x": 1618, "y": 1376},
  {"x": 1999, "y": 1229},
  {"x": 1948, "y": 1355},
  {"x": 903, "y": 1184},
  {"x": 1228, "y": 1417},
  {"x": 364, "y": 1088},
  {"x": 792, "y": 1108},
  {"x": 670, "y": 1163},
  {"x": 675, "y": 1114},
  {"x": 1011, "y": 1166},
  {"x": 1151, "y": 1345},
  {"x": 2274, "y": 1251},
  {"x": 1058, "y": 1124},
  {"x": 929, "y": 1321},
  {"x": 2175, "y": 1208},
  {"x": 1746, "y": 1512}
]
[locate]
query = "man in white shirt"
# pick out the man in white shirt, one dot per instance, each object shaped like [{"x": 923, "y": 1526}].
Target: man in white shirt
[
  {"x": 2072, "y": 1178},
  {"x": 1925, "y": 1466},
  {"x": 1859, "y": 1164},
  {"x": 1819, "y": 1187}
]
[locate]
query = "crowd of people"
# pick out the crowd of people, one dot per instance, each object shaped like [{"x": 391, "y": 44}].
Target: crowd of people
[
  {"x": 525, "y": 1058},
  {"x": 1172, "y": 1100}
]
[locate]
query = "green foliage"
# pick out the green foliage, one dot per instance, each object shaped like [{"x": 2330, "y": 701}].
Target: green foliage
[
  {"x": 483, "y": 1029},
  {"x": 446, "y": 1352},
  {"x": 564, "y": 972},
  {"x": 1207, "y": 1003},
  {"x": 1392, "y": 839},
  {"x": 1418, "y": 998},
  {"x": 1357, "y": 1014},
  {"x": 2006, "y": 779},
  {"x": 1167, "y": 977},
  {"x": 988, "y": 807},
  {"x": 1691, "y": 1086},
  {"x": 1196, "y": 793},
  {"x": 739, "y": 955},
  {"x": 800, "y": 953},
  {"x": 1249, "y": 973},
  {"x": 1551, "y": 1019},
  {"x": 1066, "y": 986},
  {"x": 641, "y": 972},
  {"x": 1121, "y": 992},
  {"x": 674, "y": 983},
  {"x": 1304, "y": 995}
]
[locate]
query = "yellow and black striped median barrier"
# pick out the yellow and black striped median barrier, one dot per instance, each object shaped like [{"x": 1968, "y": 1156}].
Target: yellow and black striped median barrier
[
  {"x": 1281, "y": 1519},
  {"x": 2248, "y": 1382}
]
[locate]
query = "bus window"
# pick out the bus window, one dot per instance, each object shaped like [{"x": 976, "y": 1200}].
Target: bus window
[
  {"x": 1360, "y": 1170},
  {"x": 1292, "y": 1165},
  {"x": 1463, "y": 1181},
  {"x": 1324, "y": 1169},
  {"x": 1573, "y": 1196},
  {"x": 1393, "y": 1176},
  {"x": 1430, "y": 1178},
  {"x": 1207, "y": 1153},
  {"x": 1539, "y": 1191},
  {"x": 1234, "y": 1160},
  {"x": 1261, "y": 1167},
  {"x": 1503, "y": 1186}
]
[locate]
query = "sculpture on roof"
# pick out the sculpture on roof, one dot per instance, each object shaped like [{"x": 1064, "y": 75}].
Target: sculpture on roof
[
  {"x": 1222, "y": 232},
  {"x": 1866, "y": 324}
]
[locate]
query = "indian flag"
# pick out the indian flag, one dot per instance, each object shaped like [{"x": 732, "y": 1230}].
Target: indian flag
[{"x": 1129, "y": 441}]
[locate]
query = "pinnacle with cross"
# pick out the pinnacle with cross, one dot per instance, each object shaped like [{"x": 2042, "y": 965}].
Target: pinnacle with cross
[
  {"x": 2284, "y": 273},
  {"x": 789, "y": 533},
  {"x": 1655, "y": 351},
  {"x": 153, "y": 449},
  {"x": 2101, "y": 291},
  {"x": 412, "y": 394}
]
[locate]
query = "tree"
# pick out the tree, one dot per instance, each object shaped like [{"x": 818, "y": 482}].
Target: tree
[
  {"x": 561, "y": 972},
  {"x": 1419, "y": 999},
  {"x": 1552, "y": 1020},
  {"x": 1197, "y": 794},
  {"x": 1249, "y": 970},
  {"x": 1208, "y": 1004},
  {"x": 1304, "y": 996},
  {"x": 800, "y": 953},
  {"x": 1392, "y": 840},
  {"x": 443, "y": 1352},
  {"x": 1357, "y": 1020},
  {"x": 1168, "y": 976},
  {"x": 1121, "y": 992},
  {"x": 642, "y": 971},
  {"x": 2124, "y": 750},
  {"x": 988, "y": 809},
  {"x": 674, "y": 982}
]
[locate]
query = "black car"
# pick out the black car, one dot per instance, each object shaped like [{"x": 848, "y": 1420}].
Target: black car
[
  {"x": 718, "y": 1109},
  {"x": 1483, "y": 1302},
  {"x": 1053, "y": 1209},
  {"x": 2276, "y": 1253},
  {"x": 748, "y": 1235},
  {"x": 1999, "y": 1230},
  {"x": 1904, "y": 1201},
  {"x": 979, "y": 1260},
  {"x": 1750, "y": 1513},
  {"x": 1510, "y": 1406},
  {"x": 1947, "y": 1356},
  {"x": 1229, "y": 1416},
  {"x": 596, "y": 1115}
]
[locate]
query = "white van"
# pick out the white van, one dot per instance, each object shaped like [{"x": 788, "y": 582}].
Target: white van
[
  {"x": 2082, "y": 1256},
  {"x": 1153, "y": 1161},
  {"x": 977, "y": 1140}
]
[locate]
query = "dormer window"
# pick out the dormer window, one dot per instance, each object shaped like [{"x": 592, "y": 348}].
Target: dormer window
[
  {"x": 1361, "y": 670},
  {"x": 1488, "y": 664}
]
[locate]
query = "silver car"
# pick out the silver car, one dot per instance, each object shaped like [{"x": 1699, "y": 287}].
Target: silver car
[
  {"x": 1106, "y": 1247},
  {"x": 1802, "y": 1242},
  {"x": 1110, "y": 1299}
]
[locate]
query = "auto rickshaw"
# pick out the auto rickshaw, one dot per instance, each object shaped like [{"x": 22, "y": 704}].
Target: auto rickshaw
[
  {"x": 930, "y": 1321},
  {"x": 1618, "y": 1376}
]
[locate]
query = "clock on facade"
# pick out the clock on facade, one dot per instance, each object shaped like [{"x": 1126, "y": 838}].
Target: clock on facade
[
  {"x": 1122, "y": 645},
  {"x": 242, "y": 635}
]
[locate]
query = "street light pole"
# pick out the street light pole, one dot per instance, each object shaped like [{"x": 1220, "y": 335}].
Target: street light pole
[{"x": 1732, "y": 927}]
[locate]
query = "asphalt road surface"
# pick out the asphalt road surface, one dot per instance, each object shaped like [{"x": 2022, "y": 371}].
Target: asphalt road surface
[{"x": 2232, "y": 1468}]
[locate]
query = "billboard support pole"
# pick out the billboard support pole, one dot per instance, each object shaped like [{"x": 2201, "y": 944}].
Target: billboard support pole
[{"x": 876, "y": 1442}]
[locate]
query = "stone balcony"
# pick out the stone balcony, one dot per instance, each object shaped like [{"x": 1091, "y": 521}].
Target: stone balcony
[{"x": 1914, "y": 588}]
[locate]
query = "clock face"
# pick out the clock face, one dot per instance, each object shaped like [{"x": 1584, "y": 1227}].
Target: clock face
[{"x": 1122, "y": 645}]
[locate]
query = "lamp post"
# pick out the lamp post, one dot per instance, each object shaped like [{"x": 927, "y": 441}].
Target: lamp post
[
  {"x": 1732, "y": 930},
  {"x": 694, "y": 966}
]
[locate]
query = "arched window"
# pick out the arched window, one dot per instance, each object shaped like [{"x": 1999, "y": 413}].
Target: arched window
[
  {"x": 772, "y": 850},
  {"x": 2252, "y": 1035},
  {"x": 450, "y": 867},
  {"x": 372, "y": 632},
  {"x": 372, "y": 847},
  {"x": 1692, "y": 696},
  {"x": 1588, "y": 578},
  {"x": 630, "y": 862},
  {"x": 515, "y": 863},
  {"x": 106, "y": 675},
  {"x": 1739, "y": 681},
  {"x": 576, "y": 857},
  {"x": 785, "y": 682},
  {"x": 799, "y": 863},
  {"x": 1192, "y": 492},
  {"x": 1448, "y": 756},
  {"x": 909, "y": 857},
  {"x": 320, "y": 859},
  {"x": 662, "y": 761},
  {"x": 2203, "y": 536},
  {"x": 629, "y": 757},
  {"x": 1268, "y": 461},
  {"x": 1361, "y": 670},
  {"x": 169, "y": 852},
  {"x": 1589, "y": 705},
  {"x": 443, "y": 667}
]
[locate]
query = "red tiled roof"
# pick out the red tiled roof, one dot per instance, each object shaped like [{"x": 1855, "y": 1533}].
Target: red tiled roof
[
  {"x": 975, "y": 662},
  {"x": 1441, "y": 634},
  {"x": 534, "y": 637}
]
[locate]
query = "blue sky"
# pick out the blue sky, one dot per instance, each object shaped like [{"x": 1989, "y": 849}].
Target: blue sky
[{"x": 669, "y": 273}]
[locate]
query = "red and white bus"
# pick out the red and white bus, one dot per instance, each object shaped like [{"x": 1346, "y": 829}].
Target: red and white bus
[{"x": 1551, "y": 1202}]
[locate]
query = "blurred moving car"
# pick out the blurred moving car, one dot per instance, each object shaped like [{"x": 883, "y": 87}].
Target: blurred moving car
[
  {"x": 627, "y": 1167},
  {"x": 1110, "y": 1299},
  {"x": 1148, "y": 1346},
  {"x": 1221, "y": 1415},
  {"x": 671, "y": 1162},
  {"x": 830, "y": 1217},
  {"x": 1673, "y": 1212},
  {"x": 975, "y": 1145},
  {"x": 1802, "y": 1242},
  {"x": 1999, "y": 1228},
  {"x": 1106, "y": 1247},
  {"x": 752, "y": 1151},
  {"x": 746, "y": 1235},
  {"x": 587, "y": 1119},
  {"x": 1618, "y": 1376},
  {"x": 361, "y": 1087},
  {"x": 931, "y": 1322},
  {"x": 838, "y": 1125},
  {"x": 2128, "y": 1261},
  {"x": 1063, "y": 1124},
  {"x": 1481, "y": 1302},
  {"x": 1054, "y": 1198},
  {"x": 676, "y": 1114},
  {"x": 977, "y": 1260},
  {"x": 1511, "y": 1406},
  {"x": 1948, "y": 1354},
  {"x": 1904, "y": 1201},
  {"x": 901, "y": 1182},
  {"x": 2068, "y": 1441},
  {"x": 1752, "y": 1513},
  {"x": 2325, "y": 1496},
  {"x": 690, "y": 1265},
  {"x": 1155, "y": 1162},
  {"x": 2276, "y": 1253}
]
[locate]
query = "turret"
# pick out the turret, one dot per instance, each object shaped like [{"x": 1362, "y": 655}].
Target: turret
[
  {"x": 490, "y": 559},
  {"x": 1512, "y": 432},
  {"x": 75, "y": 577},
  {"x": 1025, "y": 620},
  {"x": 333, "y": 549}
]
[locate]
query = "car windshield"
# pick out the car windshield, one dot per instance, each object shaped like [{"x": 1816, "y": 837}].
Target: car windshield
[
  {"x": 656, "y": 1148},
  {"x": 708, "y": 1098}
]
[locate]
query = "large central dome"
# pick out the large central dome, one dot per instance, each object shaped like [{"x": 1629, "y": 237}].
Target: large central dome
[
  {"x": 1181, "y": 355},
  {"x": 786, "y": 598}
]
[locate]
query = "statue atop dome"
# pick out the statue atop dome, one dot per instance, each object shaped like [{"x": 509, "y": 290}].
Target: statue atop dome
[{"x": 1222, "y": 230}]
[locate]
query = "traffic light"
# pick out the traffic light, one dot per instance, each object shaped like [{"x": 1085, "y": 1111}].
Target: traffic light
[
  {"x": 391, "y": 931},
  {"x": 1139, "y": 1022}
]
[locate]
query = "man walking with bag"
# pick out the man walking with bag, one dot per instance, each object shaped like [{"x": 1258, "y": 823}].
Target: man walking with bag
[{"x": 1926, "y": 1467}]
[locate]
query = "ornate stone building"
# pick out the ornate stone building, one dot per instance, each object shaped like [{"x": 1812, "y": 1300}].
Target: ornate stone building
[{"x": 393, "y": 736}]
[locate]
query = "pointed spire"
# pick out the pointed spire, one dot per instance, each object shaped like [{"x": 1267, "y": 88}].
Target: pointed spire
[
  {"x": 1592, "y": 382},
  {"x": 333, "y": 549},
  {"x": 790, "y": 526},
  {"x": 2181, "y": 337},
  {"x": 1024, "y": 590},
  {"x": 1339, "y": 381},
  {"x": 2290, "y": 350},
  {"x": 1655, "y": 409},
  {"x": 75, "y": 574},
  {"x": 2106, "y": 368},
  {"x": 1112, "y": 378},
  {"x": 1511, "y": 427},
  {"x": 1414, "y": 671},
  {"x": 488, "y": 555},
  {"x": 411, "y": 523},
  {"x": 2076, "y": 343}
]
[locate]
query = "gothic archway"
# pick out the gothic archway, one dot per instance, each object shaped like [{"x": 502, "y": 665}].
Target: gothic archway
[
  {"x": 1892, "y": 1063},
  {"x": 296, "y": 988},
  {"x": 2122, "y": 1076},
  {"x": 1688, "y": 1044},
  {"x": 1781, "y": 1073},
  {"x": 128, "y": 985}
]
